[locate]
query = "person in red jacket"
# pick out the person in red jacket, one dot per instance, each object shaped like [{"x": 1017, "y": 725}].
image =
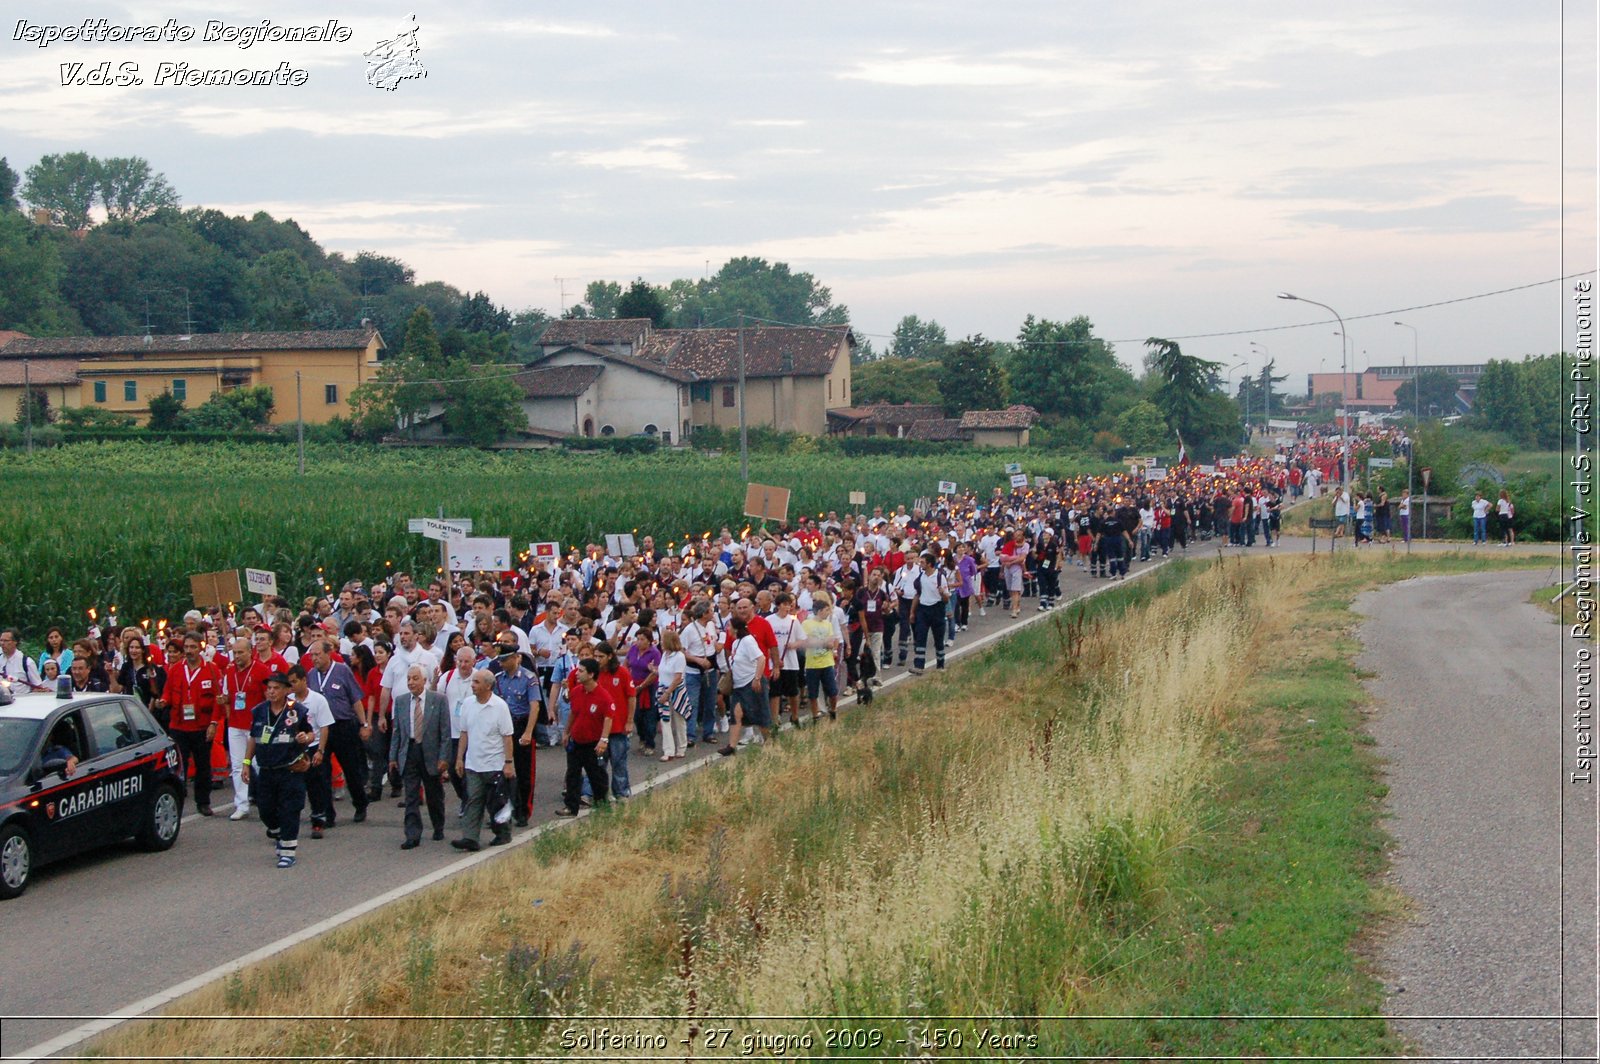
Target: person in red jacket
[
  {"x": 236, "y": 703},
  {"x": 193, "y": 686}
]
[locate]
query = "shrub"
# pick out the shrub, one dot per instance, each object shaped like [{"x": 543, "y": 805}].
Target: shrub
[{"x": 614, "y": 444}]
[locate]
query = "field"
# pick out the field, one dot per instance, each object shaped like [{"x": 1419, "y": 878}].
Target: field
[{"x": 101, "y": 525}]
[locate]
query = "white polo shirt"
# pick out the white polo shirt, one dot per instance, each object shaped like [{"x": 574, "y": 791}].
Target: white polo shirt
[{"x": 485, "y": 726}]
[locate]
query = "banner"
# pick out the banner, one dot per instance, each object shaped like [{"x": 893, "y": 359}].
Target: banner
[
  {"x": 260, "y": 582},
  {"x": 767, "y": 503},
  {"x": 215, "y": 589},
  {"x": 472, "y": 554}
]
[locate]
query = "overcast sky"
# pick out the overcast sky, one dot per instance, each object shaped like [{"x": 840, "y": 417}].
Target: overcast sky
[{"x": 1164, "y": 168}]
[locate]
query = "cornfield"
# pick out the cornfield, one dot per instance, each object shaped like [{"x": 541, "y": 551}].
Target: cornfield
[{"x": 93, "y": 526}]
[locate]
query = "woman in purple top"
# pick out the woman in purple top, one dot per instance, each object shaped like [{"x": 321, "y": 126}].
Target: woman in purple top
[
  {"x": 967, "y": 566},
  {"x": 643, "y": 661}
]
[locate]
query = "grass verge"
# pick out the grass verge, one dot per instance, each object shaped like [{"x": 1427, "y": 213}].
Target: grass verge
[{"x": 1160, "y": 806}]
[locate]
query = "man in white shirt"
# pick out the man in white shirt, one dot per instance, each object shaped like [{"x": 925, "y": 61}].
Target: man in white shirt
[
  {"x": 15, "y": 666},
  {"x": 319, "y": 788},
  {"x": 902, "y": 584},
  {"x": 1480, "y": 519},
  {"x": 483, "y": 757}
]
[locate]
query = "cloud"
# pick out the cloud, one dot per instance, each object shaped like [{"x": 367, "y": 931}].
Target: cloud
[
  {"x": 655, "y": 154},
  {"x": 1467, "y": 214},
  {"x": 542, "y": 28}
]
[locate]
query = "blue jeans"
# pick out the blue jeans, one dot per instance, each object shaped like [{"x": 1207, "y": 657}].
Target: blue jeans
[
  {"x": 617, "y": 754},
  {"x": 1144, "y": 544},
  {"x": 1480, "y": 529},
  {"x": 702, "y": 690}
]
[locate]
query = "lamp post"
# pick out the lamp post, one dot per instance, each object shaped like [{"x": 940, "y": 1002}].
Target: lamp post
[
  {"x": 1229, "y": 378},
  {"x": 1344, "y": 388},
  {"x": 1416, "y": 406},
  {"x": 1266, "y": 390}
]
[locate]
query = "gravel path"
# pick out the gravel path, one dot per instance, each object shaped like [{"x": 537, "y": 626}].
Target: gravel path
[{"x": 1469, "y": 718}]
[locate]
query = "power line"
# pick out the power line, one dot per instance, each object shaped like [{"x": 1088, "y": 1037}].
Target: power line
[{"x": 1236, "y": 332}]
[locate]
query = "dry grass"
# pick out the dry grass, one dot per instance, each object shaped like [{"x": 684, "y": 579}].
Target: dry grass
[{"x": 900, "y": 862}]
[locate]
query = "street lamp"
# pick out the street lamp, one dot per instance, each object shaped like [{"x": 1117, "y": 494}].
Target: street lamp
[
  {"x": 1344, "y": 427},
  {"x": 1266, "y": 391},
  {"x": 1229, "y": 378},
  {"x": 1416, "y": 405}
]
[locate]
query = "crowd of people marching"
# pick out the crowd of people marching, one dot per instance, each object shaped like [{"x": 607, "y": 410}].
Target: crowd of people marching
[{"x": 450, "y": 683}]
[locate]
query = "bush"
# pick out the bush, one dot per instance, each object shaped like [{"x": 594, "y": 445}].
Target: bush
[
  {"x": 710, "y": 438},
  {"x": 614, "y": 444},
  {"x": 876, "y": 445},
  {"x": 166, "y": 411},
  {"x": 85, "y": 416}
]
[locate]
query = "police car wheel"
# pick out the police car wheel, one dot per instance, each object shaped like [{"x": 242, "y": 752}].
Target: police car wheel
[
  {"x": 16, "y": 860},
  {"x": 162, "y": 820}
]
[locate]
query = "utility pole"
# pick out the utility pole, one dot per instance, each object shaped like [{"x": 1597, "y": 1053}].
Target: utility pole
[
  {"x": 744, "y": 433},
  {"x": 300, "y": 422},
  {"x": 27, "y": 401}
]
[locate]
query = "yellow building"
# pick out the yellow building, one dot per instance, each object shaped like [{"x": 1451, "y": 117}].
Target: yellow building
[{"x": 123, "y": 373}]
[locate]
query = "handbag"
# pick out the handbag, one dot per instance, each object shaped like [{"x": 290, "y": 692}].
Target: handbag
[{"x": 725, "y": 682}]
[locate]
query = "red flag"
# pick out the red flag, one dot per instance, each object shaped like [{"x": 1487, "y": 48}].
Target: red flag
[{"x": 1183, "y": 452}]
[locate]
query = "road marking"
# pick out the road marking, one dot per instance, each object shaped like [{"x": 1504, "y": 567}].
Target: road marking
[{"x": 149, "y": 1004}]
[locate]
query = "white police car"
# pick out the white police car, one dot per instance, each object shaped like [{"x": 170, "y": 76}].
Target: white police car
[{"x": 123, "y": 781}]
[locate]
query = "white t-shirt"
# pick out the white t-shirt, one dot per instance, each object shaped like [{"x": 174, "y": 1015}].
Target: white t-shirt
[
  {"x": 318, "y": 715},
  {"x": 672, "y": 666},
  {"x": 1480, "y": 508},
  {"x": 786, "y": 631},
  {"x": 456, "y": 690},
  {"x": 485, "y": 724}
]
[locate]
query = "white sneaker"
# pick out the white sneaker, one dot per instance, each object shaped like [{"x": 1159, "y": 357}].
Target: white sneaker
[
  {"x": 983, "y": 611},
  {"x": 747, "y": 738},
  {"x": 240, "y": 812}
]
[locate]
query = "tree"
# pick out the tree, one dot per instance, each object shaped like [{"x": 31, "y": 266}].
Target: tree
[
  {"x": 483, "y": 405},
  {"x": 1185, "y": 384},
  {"x": 8, "y": 186},
  {"x": 33, "y": 408},
  {"x": 280, "y": 291},
  {"x": 915, "y": 338},
  {"x": 165, "y": 411},
  {"x": 760, "y": 289},
  {"x": 600, "y": 299},
  {"x": 1502, "y": 401},
  {"x": 1430, "y": 388},
  {"x": 896, "y": 380},
  {"x": 1062, "y": 369},
  {"x": 30, "y": 294},
  {"x": 379, "y": 273},
  {"x": 642, "y": 300},
  {"x": 236, "y": 411},
  {"x": 1142, "y": 427},
  {"x": 129, "y": 190},
  {"x": 863, "y": 352},
  {"x": 479, "y": 314},
  {"x": 65, "y": 186},
  {"x": 970, "y": 378}
]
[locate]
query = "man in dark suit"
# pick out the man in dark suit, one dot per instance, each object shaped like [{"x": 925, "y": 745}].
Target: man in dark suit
[{"x": 419, "y": 749}]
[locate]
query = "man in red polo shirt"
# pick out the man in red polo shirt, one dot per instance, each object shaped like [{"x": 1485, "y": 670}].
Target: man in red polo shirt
[
  {"x": 588, "y": 735},
  {"x": 193, "y": 685}
]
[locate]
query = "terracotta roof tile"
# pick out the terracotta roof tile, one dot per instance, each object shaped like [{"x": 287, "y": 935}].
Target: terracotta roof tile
[
  {"x": 8, "y": 335},
  {"x": 769, "y": 351},
  {"x": 644, "y": 365},
  {"x": 595, "y": 331},
  {"x": 205, "y": 343},
  {"x": 938, "y": 430},
  {"x": 1012, "y": 417},
  {"x": 45, "y": 372},
  {"x": 557, "y": 382}
]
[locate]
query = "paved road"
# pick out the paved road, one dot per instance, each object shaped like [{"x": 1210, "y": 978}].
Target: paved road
[
  {"x": 1469, "y": 719},
  {"x": 117, "y": 930}
]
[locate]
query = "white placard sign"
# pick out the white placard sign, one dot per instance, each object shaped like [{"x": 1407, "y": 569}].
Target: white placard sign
[
  {"x": 858, "y": 498},
  {"x": 472, "y": 554},
  {"x": 545, "y": 553},
  {"x": 1019, "y": 480},
  {"x": 1041, "y": 482},
  {"x": 1380, "y": 463},
  {"x": 1207, "y": 470},
  {"x": 445, "y": 531},
  {"x": 1013, "y": 468},
  {"x": 1228, "y": 463},
  {"x": 260, "y": 582},
  {"x": 621, "y": 545},
  {"x": 1156, "y": 473},
  {"x": 414, "y": 525},
  {"x": 947, "y": 487},
  {"x": 1281, "y": 459},
  {"x": 1150, "y": 463}
]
